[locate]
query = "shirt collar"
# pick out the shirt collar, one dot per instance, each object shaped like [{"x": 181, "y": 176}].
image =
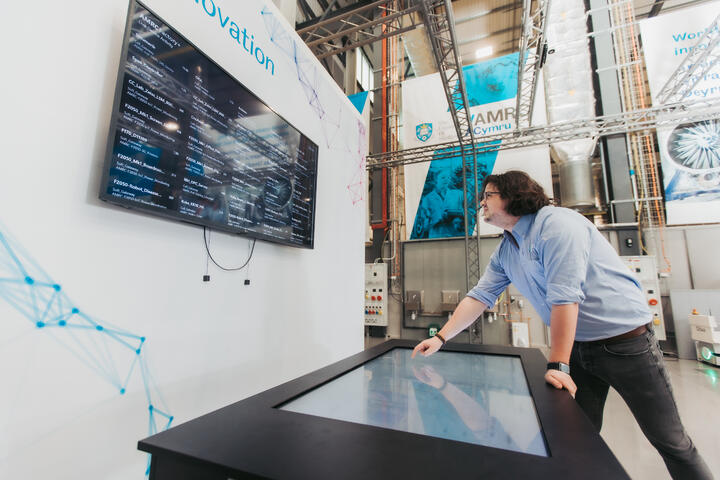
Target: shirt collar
[
  {"x": 520, "y": 230},
  {"x": 522, "y": 226}
]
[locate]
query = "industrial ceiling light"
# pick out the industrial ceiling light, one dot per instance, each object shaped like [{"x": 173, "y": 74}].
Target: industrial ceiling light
[{"x": 483, "y": 52}]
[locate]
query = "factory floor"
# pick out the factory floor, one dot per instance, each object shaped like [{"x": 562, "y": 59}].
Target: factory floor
[{"x": 697, "y": 393}]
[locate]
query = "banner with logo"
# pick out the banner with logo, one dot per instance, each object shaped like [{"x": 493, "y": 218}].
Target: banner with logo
[
  {"x": 434, "y": 190},
  {"x": 689, "y": 152}
]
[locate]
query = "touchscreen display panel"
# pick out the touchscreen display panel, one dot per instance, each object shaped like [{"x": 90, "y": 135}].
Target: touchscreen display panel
[
  {"x": 475, "y": 398},
  {"x": 190, "y": 142}
]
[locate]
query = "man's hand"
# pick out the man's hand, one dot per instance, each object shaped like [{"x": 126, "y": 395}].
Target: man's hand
[
  {"x": 559, "y": 380},
  {"x": 427, "y": 347}
]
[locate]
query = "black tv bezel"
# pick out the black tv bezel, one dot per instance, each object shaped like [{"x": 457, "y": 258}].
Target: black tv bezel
[
  {"x": 176, "y": 217},
  {"x": 255, "y": 438}
]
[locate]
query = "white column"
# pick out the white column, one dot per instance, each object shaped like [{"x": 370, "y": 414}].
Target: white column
[{"x": 351, "y": 71}]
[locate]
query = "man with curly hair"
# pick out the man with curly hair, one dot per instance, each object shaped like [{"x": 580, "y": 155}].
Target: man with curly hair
[{"x": 598, "y": 317}]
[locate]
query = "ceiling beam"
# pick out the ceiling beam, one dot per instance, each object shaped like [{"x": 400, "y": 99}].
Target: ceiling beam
[
  {"x": 657, "y": 6},
  {"x": 307, "y": 11},
  {"x": 336, "y": 13}
]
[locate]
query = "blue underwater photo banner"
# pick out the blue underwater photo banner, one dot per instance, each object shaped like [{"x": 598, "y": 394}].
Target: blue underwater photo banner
[
  {"x": 440, "y": 213},
  {"x": 491, "y": 88},
  {"x": 491, "y": 81}
]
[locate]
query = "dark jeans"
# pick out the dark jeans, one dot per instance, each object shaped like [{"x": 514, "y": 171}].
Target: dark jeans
[{"x": 634, "y": 367}]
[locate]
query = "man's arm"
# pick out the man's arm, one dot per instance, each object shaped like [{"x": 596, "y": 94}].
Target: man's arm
[
  {"x": 563, "y": 322},
  {"x": 467, "y": 311}
]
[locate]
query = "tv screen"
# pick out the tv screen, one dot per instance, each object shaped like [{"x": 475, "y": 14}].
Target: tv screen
[{"x": 189, "y": 142}]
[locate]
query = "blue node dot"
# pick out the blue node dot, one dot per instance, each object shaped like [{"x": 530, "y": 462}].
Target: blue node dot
[
  {"x": 142, "y": 339},
  {"x": 74, "y": 310},
  {"x": 632, "y": 172},
  {"x": 171, "y": 418},
  {"x": 150, "y": 408},
  {"x": 62, "y": 323},
  {"x": 56, "y": 287},
  {"x": 29, "y": 280},
  {"x": 40, "y": 324},
  {"x": 122, "y": 391},
  {"x": 99, "y": 327},
  {"x": 137, "y": 351}
]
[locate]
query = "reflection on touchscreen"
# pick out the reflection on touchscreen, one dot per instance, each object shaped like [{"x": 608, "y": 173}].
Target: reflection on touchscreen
[
  {"x": 474, "y": 398},
  {"x": 474, "y": 418}
]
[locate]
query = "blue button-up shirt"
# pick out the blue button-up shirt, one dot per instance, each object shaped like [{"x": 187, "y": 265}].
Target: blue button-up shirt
[{"x": 559, "y": 257}]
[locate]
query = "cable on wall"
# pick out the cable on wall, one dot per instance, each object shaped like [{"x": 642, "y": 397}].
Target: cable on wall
[{"x": 227, "y": 269}]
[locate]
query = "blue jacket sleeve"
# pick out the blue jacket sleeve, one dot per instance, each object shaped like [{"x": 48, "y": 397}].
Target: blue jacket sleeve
[
  {"x": 492, "y": 283},
  {"x": 564, "y": 249}
]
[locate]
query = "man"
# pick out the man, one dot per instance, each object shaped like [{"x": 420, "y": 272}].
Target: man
[{"x": 595, "y": 307}]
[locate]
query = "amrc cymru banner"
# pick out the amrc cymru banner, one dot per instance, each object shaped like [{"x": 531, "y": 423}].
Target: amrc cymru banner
[
  {"x": 434, "y": 190},
  {"x": 689, "y": 152}
]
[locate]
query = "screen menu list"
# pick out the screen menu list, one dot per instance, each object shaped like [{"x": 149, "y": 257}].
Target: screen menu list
[{"x": 190, "y": 142}]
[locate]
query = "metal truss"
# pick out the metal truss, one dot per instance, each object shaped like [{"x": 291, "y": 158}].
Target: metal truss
[
  {"x": 348, "y": 29},
  {"x": 533, "y": 50},
  {"x": 440, "y": 25},
  {"x": 625, "y": 122},
  {"x": 698, "y": 62}
]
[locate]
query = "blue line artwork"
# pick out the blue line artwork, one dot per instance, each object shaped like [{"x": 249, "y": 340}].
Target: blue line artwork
[
  {"x": 310, "y": 78},
  {"x": 110, "y": 352}
]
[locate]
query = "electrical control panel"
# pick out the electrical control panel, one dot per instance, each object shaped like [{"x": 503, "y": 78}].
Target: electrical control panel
[
  {"x": 645, "y": 270},
  {"x": 376, "y": 281}
]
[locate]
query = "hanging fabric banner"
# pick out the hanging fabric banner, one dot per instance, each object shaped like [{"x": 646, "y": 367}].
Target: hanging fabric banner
[
  {"x": 689, "y": 152},
  {"x": 434, "y": 190}
]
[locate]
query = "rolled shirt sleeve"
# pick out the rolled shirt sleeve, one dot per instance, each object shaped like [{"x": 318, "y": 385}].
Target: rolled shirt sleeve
[
  {"x": 564, "y": 251},
  {"x": 492, "y": 283}
]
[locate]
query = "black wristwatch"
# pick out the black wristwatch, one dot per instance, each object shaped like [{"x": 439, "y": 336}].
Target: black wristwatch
[{"x": 563, "y": 367}]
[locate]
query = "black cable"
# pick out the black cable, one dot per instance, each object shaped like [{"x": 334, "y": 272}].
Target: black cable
[{"x": 207, "y": 249}]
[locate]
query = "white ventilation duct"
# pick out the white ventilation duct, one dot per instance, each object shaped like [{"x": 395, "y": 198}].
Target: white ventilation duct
[
  {"x": 569, "y": 96},
  {"x": 419, "y": 51}
]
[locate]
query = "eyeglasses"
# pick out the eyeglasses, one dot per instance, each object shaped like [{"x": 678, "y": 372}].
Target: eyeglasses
[{"x": 487, "y": 194}]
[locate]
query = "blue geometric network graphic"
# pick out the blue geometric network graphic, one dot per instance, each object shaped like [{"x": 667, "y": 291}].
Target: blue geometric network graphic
[
  {"x": 110, "y": 352},
  {"x": 311, "y": 79}
]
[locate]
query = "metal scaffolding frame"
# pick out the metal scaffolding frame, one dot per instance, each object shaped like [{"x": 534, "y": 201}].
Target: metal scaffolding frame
[
  {"x": 696, "y": 65},
  {"x": 440, "y": 24},
  {"x": 632, "y": 121},
  {"x": 640, "y": 145},
  {"x": 533, "y": 50},
  {"x": 348, "y": 29}
]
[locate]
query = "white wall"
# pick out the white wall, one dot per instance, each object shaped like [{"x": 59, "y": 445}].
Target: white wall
[{"x": 208, "y": 344}]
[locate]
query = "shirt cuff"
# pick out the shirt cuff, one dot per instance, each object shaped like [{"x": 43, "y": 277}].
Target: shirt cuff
[
  {"x": 482, "y": 296},
  {"x": 563, "y": 294}
]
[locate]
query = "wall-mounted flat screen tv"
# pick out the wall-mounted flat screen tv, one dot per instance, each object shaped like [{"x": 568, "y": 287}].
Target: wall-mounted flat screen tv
[{"x": 189, "y": 142}]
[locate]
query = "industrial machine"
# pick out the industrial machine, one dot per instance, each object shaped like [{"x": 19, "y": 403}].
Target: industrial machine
[
  {"x": 705, "y": 331},
  {"x": 376, "y": 281},
  {"x": 645, "y": 270}
]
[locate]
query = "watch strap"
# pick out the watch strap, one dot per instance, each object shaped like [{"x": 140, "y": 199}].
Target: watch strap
[{"x": 563, "y": 367}]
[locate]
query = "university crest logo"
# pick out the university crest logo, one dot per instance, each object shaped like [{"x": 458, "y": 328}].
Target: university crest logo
[{"x": 423, "y": 131}]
